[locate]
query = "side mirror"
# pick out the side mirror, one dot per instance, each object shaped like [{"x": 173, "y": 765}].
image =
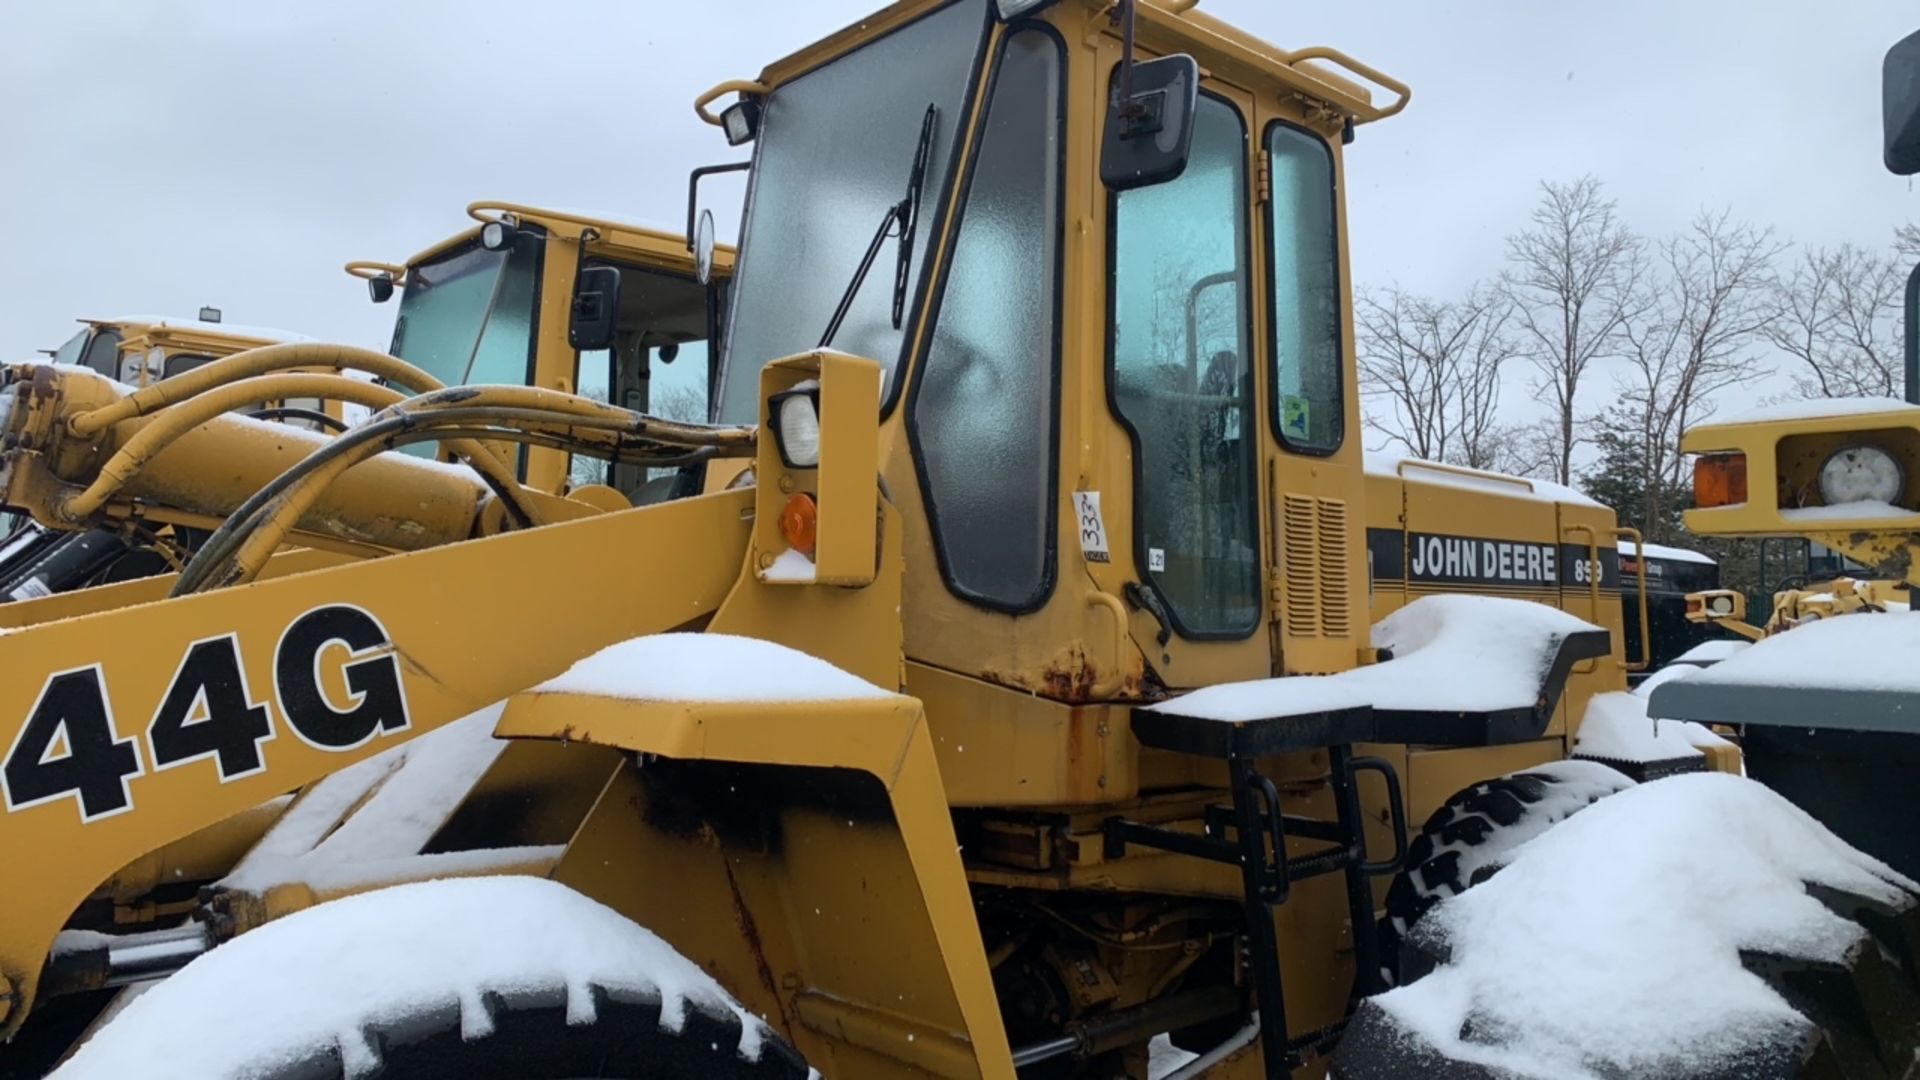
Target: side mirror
[
  {"x": 703, "y": 248},
  {"x": 380, "y": 288},
  {"x": 1149, "y": 128},
  {"x": 596, "y": 304},
  {"x": 1900, "y": 91}
]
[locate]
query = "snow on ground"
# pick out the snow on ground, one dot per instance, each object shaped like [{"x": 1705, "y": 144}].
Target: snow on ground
[
  {"x": 1428, "y": 472},
  {"x": 1613, "y": 940},
  {"x": 1662, "y": 551},
  {"x": 1817, "y": 408},
  {"x": 315, "y": 978},
  {"x": 1450, "y": 653},
  {"x": 1616, "y": 727},
  {"x": 708, "y": 667},
  {"x": 1873, "y": 651}
]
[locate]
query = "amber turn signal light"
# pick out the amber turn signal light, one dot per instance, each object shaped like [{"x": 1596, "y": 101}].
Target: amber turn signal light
[
  {"x": 800, "y": 523},
  {"x": 1719, "y": 480}
]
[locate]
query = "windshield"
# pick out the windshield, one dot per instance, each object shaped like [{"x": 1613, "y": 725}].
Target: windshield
[
  {"x": 836, "y": 147},
  {"x": 467, "y": 317},
  {"x": 73, "y": 350}
]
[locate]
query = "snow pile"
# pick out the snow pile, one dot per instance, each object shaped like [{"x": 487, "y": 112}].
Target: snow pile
[
  {"x": 315, "y": 979},
  {"x": 1611, "y": 944},
  {"x": 1616, "y": 727},
  {"x": 1450, "y": 654},
  {"x": 1875, "y": 651},
  {"x": 708, "y": 667},
  {"x": 790, "y": 566},
  {"x": 397, "y": 801},
  {"x": 1819, "y": 408}
]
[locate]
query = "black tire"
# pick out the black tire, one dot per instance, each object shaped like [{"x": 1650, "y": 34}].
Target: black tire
[
  {"x": 514, "y": 978},
  {"x": 530, "y": 1039},
  {"x": 1472, "y": 835}
]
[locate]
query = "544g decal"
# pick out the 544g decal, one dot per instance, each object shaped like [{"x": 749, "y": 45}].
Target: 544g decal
[{"x": 71, "y": 745}]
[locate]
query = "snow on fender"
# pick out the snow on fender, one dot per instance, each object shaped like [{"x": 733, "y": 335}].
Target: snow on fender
[{"x": 506, "y": 976}]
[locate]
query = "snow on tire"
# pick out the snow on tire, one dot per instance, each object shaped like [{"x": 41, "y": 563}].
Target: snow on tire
[
  {"x": 1697, "y": 927},
  {"x": 477, "y": 977},
  {"x": 1473, "y": 833}
]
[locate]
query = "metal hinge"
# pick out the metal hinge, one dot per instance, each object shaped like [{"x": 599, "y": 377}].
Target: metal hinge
[{"x": 1263, "y": 181}]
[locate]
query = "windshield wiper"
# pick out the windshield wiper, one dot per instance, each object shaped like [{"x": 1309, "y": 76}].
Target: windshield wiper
[{"x": 906, "y": 215}]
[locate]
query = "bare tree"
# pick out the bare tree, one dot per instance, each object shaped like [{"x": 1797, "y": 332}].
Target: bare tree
[
  {"x": 1437, "y": 366},
  {"x": 1572, "y": 278},
  {"x": 1707, "y": 305},
  {"x": 1838, "y": 314}
]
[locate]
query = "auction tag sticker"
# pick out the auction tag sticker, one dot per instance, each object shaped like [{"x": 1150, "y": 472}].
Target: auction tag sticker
[{"x": 1093, "y": 531}]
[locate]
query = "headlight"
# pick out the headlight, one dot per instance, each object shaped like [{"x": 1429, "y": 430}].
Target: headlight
[
  {"x": 1861, "y": 474},
  {"x": 796, "y": 425}
]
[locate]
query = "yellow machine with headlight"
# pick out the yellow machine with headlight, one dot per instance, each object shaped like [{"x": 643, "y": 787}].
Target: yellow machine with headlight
[
  {"x": 1085, "y": 448},
  {"x": 1823, "y": 714}
]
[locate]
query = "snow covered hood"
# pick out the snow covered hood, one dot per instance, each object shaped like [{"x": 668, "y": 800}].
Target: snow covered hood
[
  {"x": 1466, "y": 654},
  {"x": 1855, "y": 672}
]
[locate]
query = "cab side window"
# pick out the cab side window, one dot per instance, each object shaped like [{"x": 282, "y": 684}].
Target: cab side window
[
  {"x": 1181, "y": 380},
  {"x": 1308, "y": 413}
]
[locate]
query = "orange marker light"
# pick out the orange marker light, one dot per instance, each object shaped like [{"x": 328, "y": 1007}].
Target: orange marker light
[
  {"x": 800, "y": 523},
  {"x": 1719, "y": 480}
]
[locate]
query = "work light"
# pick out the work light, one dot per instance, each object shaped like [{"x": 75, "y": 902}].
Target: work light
[
  {"x": 1860, "y": 474},
  {"x": 741, "y": 121},
  {"x": 796, "y": 425}
]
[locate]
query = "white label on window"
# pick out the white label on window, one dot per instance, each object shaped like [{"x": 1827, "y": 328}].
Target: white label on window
[
  {"x": 1093, "y": 531},
  {"x": 31, "y": 589},
  {"x": 1156, "y": 559}
]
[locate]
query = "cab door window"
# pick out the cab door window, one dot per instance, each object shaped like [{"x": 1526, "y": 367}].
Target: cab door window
[
  {"x": 1182, "y": 380},
  {"x": 1308, "y": 413},
  {"x": 658, "y": 365},
  {"x": 984, "y": 409}
]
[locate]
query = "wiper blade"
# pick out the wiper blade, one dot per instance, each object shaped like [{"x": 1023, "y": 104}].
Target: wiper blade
[
  {"x": 905, "y": 214},
  {"x": 916, "y": 182}
]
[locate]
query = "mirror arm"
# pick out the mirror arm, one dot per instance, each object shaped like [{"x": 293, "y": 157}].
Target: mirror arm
[{"x": 693, "y": 189}]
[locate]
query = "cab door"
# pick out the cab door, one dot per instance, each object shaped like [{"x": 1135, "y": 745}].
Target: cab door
[
  {"x": 1316, "y": 568},
  {"x": 1181, "y": 383}
]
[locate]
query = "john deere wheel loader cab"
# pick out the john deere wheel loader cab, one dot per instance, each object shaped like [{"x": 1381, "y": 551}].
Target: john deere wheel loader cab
[
  {"x": 986, "y": 741},
  {"x": 571, "y": 302}
]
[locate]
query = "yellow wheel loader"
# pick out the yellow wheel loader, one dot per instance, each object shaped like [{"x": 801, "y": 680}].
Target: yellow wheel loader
[
  {"x": 1039, "y": 684},
  {"x": 566, "y": 301},
  {"x": 36, "y": 560}
]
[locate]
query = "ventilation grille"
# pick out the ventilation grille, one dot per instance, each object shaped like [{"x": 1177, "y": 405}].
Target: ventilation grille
[
  {"x": 1314, "y": 560},
  {"x": 1336, "y": 609},
  {"x": 1303, "y": 600}
]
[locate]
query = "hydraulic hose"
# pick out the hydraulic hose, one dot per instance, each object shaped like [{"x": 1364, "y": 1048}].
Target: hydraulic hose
[
  {"x": 248, "y": 531},
  {"x": 251, "y": 362}
]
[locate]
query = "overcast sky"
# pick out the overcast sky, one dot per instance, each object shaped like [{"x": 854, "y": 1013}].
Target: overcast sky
[{"x": 156, "y": 157}]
